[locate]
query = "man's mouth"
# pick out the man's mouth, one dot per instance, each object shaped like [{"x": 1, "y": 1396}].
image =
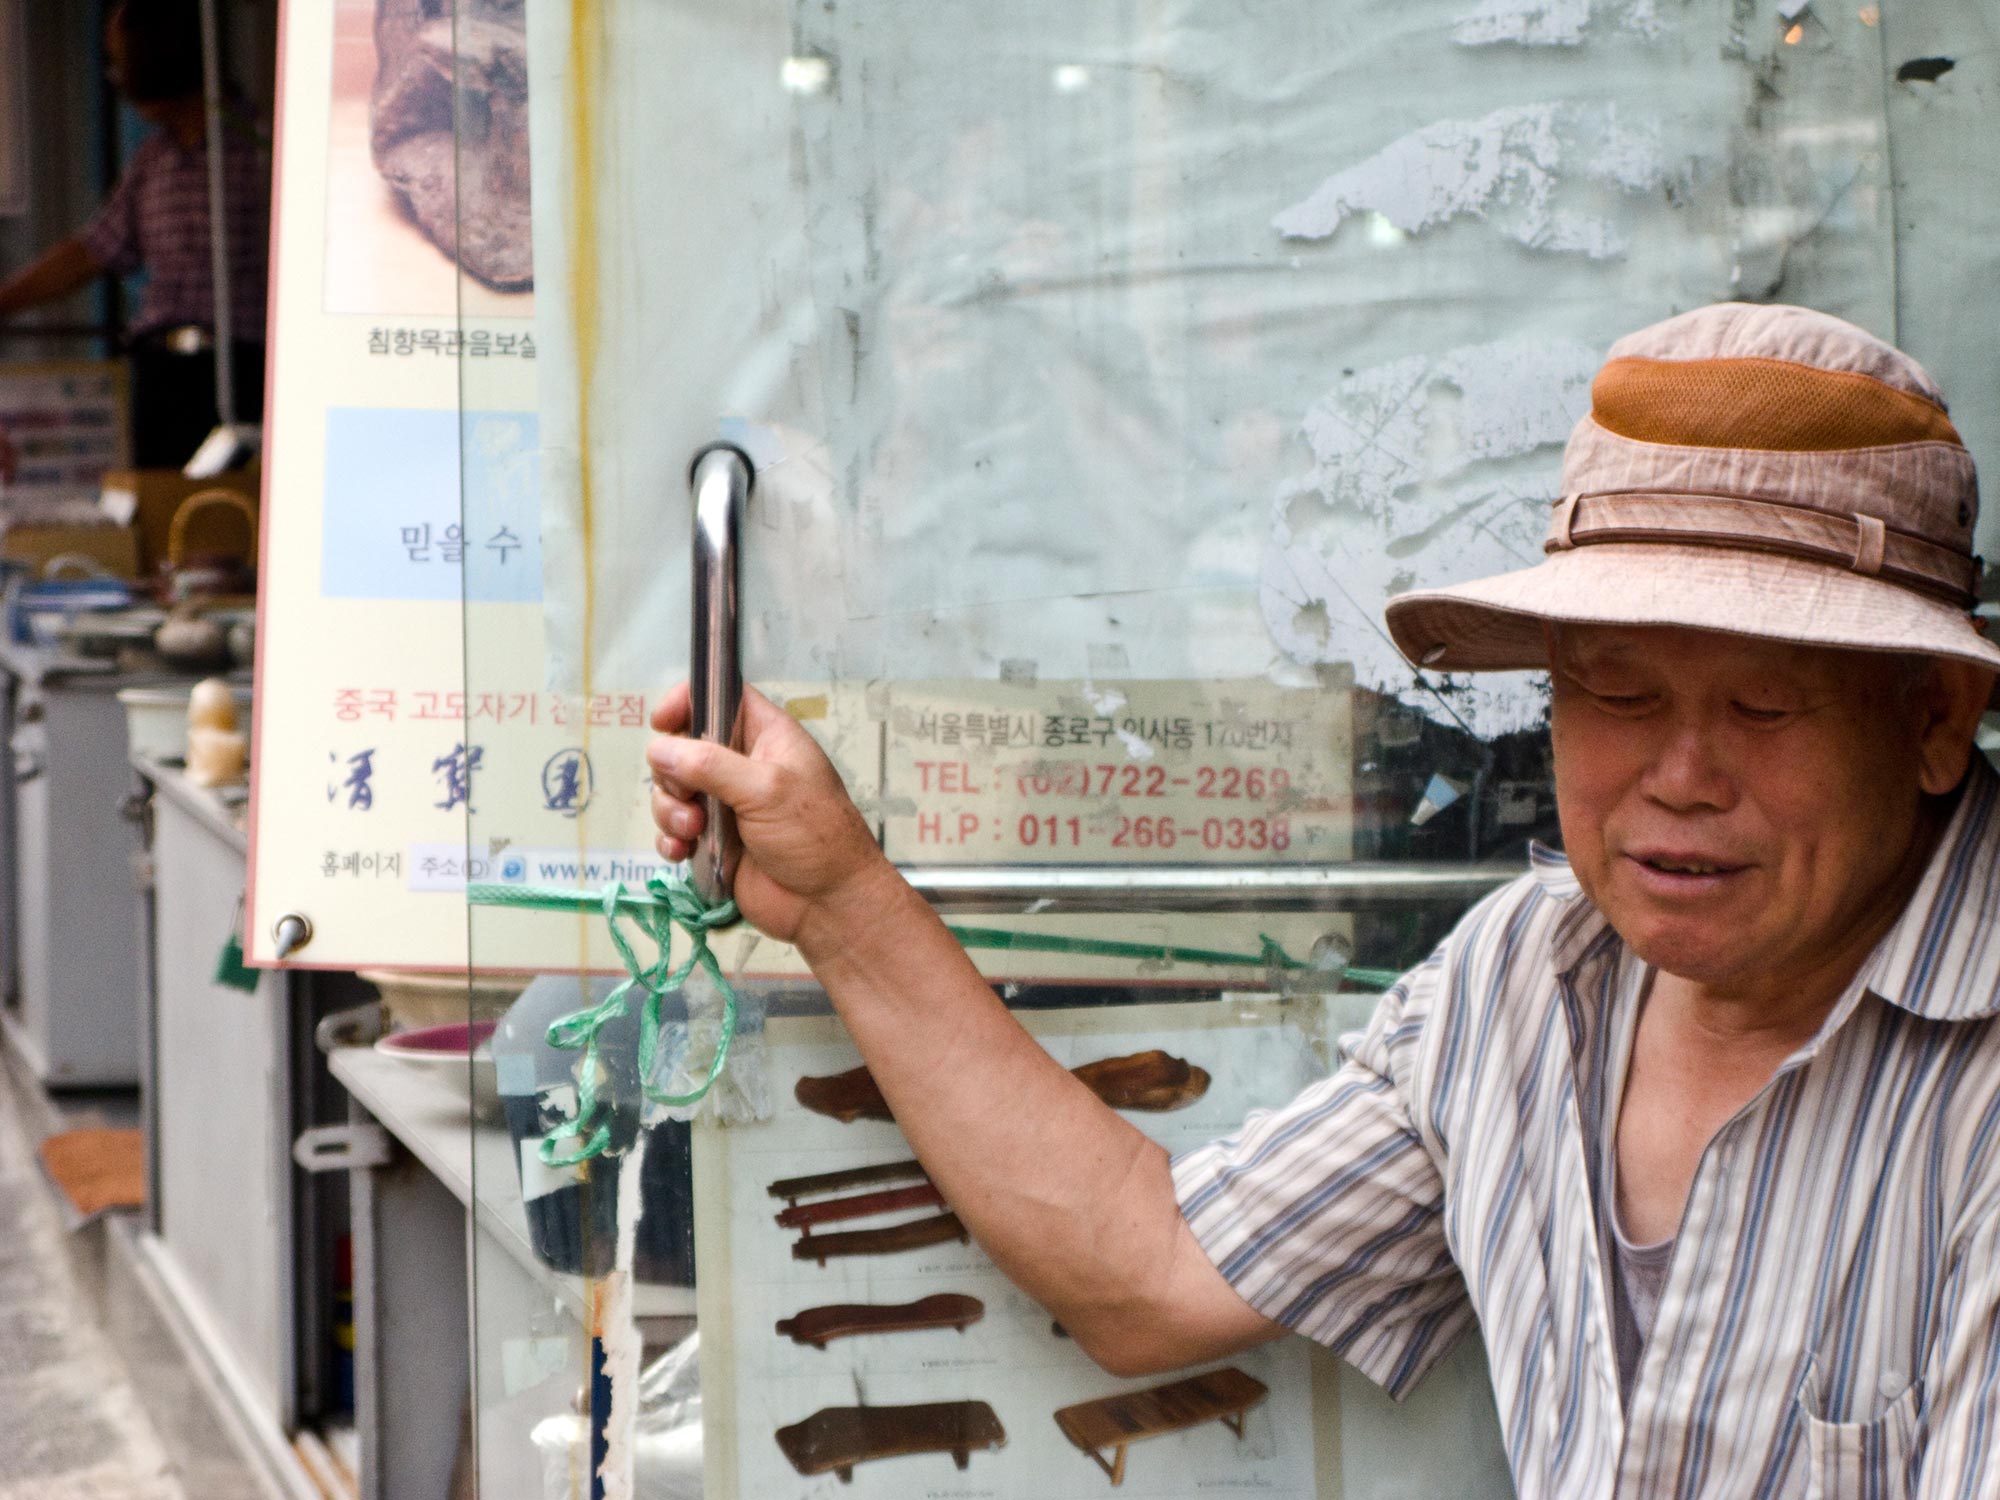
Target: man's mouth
[{"x": 1686, "y": 866}]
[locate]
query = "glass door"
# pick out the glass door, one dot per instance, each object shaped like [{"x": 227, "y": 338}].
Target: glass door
[{"x": 1094, "y": 372}]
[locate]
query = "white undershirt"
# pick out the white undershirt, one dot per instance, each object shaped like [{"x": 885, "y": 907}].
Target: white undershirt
[
  {"x": 1638, "y": 1272},
  {"x": 1638, "y": 1277}
]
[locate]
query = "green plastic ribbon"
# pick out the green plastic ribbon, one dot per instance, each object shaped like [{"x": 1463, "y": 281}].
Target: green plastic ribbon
[
  {"x": 662, "y": 905},
  {"x": 1377, "y": 980}
]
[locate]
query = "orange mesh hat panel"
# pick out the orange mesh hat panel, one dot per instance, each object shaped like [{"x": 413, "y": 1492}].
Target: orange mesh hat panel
[{"x": 1770, "y": 404}]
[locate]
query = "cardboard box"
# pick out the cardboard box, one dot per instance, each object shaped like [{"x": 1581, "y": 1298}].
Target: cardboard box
[
  {"x": 146, "y": 499},
  {"x": 113, "y": 548}
]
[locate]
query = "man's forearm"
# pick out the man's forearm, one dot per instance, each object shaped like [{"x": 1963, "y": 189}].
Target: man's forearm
[
  {"x": 65, "y": 268},
  {"x": 1072, "y": 1202}
]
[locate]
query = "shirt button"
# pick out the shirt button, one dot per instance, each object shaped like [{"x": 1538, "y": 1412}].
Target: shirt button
[
  {"x": 1892, "y": 1384},
  {"x": 1590, "y": 1333}
]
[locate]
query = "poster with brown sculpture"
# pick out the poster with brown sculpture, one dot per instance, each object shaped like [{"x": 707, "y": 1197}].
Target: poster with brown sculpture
[
  {"x": 428, "y": 161},
  {"x": 859, "y": 1342}
]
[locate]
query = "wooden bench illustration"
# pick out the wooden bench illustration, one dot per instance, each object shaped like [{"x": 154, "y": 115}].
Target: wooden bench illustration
[
  {"x": 860, "y": 1206},
  {"x": 792, "y": 1189},
  {"x": 917, "y": 1234},
  {"x": 817, "y": 1325},
  {"x": 1154, "y": 1081},
  {"x": 1114, "y": 1422},
  {"x": 839, "y": 1437}
]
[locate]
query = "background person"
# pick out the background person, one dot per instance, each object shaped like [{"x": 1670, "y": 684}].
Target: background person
[
  {"x": 1700, "y": 1124},
  {"x": 157, "y": 220}
]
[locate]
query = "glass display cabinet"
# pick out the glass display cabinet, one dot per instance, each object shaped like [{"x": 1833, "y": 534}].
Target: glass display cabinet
[{"x": 1038, "y": 402}]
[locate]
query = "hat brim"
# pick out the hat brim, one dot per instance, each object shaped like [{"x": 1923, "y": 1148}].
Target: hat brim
[{"x": 1495, "y": 624}]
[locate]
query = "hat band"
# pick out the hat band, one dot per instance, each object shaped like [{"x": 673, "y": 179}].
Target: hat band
[{"x": 1861, "y": 544}]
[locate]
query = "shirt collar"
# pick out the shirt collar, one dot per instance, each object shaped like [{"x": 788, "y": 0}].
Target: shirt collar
[
  {"x": 1581, "y": 924},
  {"x": 1941, "y": 959}
]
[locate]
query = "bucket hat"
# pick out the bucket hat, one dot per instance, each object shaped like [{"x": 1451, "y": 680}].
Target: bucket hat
[{"x": 1761, "y": 470}]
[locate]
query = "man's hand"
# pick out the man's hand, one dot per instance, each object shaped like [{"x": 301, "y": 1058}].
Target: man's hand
[
  {"x": 1071, "y": 1201},
  {"x": 810, "y": 862}
]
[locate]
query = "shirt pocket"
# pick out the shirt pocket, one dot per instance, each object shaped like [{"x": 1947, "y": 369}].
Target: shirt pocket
[{"x": 1860, "y": 1460}]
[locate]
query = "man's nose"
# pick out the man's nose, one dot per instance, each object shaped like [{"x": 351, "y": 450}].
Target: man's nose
[{"x": 1688, "y": 770}]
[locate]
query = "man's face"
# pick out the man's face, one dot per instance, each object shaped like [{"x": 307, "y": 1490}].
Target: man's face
[{"x": 1740, "y": 810}]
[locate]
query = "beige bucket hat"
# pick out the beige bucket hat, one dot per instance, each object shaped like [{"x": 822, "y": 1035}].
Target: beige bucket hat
[{"x": 1765, "y": 471}]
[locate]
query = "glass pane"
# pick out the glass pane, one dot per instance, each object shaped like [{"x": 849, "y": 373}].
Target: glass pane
[{"x": 1104, "y": 369}]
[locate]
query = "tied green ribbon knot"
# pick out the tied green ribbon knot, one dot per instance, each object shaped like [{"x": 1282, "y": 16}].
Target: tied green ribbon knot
[{"x": 664, "y": 904}]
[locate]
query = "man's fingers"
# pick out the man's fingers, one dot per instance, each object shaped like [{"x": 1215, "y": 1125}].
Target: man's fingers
[
  {"x": 670, "y": 714},
  {"x": 662, "y": 780},
  {"x": 699, "y": 766},
  {"x": 759, "y": 716},
  {"x": 676, "y": 816}
]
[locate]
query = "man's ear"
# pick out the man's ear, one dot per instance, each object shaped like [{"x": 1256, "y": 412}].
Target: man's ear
[{"x": 1951, "y": 700}]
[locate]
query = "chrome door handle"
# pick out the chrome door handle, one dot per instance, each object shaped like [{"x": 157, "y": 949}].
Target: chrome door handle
[{"x": 721, "y": 478}]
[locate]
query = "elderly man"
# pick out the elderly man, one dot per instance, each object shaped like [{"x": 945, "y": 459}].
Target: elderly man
[
  {"x": 1701, "y": 1121},
  {"x": 157, "y": 219}
]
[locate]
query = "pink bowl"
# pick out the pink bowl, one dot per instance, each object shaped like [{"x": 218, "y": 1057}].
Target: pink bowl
[{"x": 456, "y": 1039}]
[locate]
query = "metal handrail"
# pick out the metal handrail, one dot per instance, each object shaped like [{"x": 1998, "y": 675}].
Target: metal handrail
[
  {"x": 219, "y": 269},
  {"x": 1201, "y": 888},
  {"x": 721, "y": 478}
]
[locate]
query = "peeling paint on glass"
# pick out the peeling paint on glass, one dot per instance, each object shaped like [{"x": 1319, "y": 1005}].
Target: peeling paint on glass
[{"x": 1127, "y": 277}]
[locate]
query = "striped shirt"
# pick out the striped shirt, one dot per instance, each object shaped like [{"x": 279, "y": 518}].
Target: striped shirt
[
  {"x": 1828, "y": 1322},
  {"x": 156, "y": 219}
]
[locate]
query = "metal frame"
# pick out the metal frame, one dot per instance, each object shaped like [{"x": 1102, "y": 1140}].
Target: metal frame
[
  {"x": 218, "y": 215},
  {"x": 1199, "y": 888}
]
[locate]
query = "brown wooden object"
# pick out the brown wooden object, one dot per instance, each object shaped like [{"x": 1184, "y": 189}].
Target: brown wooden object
[
  {"x": 794, "y": 1188},
  {"x": 1153, "y": 1081},
  {"x": 918, "y": 1234},
  {"x": 1114, "y": 1422},
  {"x": 847, "y": 1097},
  {"x": 860, "y": 1206},
  {"x": 840, "y": 1437},
  {"x": 819, "y": 1325}
]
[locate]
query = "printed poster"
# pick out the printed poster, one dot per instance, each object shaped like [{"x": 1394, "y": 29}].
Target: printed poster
[
  {"x": 370, "y": 757},
  {"x": 952, "y": 1330},
  {"x": 1322, "y": 1431}
]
